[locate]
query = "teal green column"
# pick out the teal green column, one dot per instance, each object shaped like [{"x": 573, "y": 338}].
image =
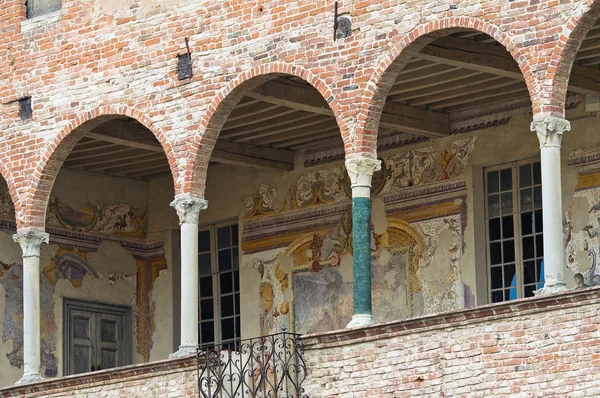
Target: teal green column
[{"x": 361, "y": 171}]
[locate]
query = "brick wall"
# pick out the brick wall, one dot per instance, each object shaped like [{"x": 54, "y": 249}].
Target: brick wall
[
  {"x": 168, "y": 379},
  {"x": 103, "y": 57},
  {"x": 543, "y": 347}
]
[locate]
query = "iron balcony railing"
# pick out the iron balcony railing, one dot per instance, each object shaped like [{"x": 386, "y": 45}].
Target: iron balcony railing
[{"x": 263, "y": 367}]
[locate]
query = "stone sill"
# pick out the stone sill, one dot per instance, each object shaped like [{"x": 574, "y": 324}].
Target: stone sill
[
  {"x": 121, "y": 374},
  {"x": 41, "y": 21},
  {"x": 476, "y": 315}
]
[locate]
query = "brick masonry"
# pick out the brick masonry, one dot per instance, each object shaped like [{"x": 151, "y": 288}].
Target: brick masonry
[
  {"x": 168, "y": 379},
  {"x": 543, "y": 347},
  {"x": 106, "y": 57}
]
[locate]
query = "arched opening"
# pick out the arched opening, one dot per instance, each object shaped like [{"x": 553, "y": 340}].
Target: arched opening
[
  {"x": 267, "y": 132},
  {"x": 103, "y": 197},
  {"x": 472, "y": 178}
]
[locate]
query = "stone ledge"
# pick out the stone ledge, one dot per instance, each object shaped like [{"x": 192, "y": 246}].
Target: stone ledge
[
  {"x": 476, "y": 315},
  {"x": 124, "y": 373}
]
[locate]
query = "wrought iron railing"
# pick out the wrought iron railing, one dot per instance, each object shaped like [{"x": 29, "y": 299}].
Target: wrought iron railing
[{"x": 263, "y": 367}]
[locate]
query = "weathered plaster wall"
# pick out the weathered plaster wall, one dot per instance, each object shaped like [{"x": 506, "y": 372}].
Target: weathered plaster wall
[{"x": 78, "y": 265}]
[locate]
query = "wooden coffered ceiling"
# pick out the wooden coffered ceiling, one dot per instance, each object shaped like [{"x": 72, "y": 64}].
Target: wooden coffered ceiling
[{"x": 466, "y": 71}]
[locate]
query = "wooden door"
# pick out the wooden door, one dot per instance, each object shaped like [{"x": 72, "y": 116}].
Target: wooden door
[{"x": 96, "y": 337}]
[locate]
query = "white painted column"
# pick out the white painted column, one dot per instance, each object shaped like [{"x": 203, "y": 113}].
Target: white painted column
[
  {"x": 360, "y": 171},
  {"x": 188, "y": 208},
  {"x": 30, "y": 242},
  {"x": 549, "y": 131}
]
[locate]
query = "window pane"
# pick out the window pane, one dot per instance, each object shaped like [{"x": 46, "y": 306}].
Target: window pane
[
  {"x": 206, "y": 289},
  {"x": 510, "y": 294},
  {"x": 526, "y": 199},
  {"x": 237, "y": 304},
  {"x": 506, "y": 180},
  {"x": 509, "y": 251},
  {"x": 539, "y": 246},
  {"x": 226, "y": 283},
  {"x": 224, "y": 237},
  {"x": 493, "y": 206},
  {"x": 528, "y": 249},
  {"x": 540, "y": 273},
  {"x": 507, "y": 203},
  {"x": 227, "y": 306},
  {"x": 494, "y": 228},
  {"x": 537, "y": 173},
  {"x": 539, "y": 224},
  {"x": 227, "y": 329},
  {"x": 495, "y": 253},
  {"x": 238, "y": 327},
  {"x": 527, "y": 223},
  {"x": 497, "y": 296},
  {"x": 537, "y": 197},
  {"x": 224, "y": 260},
  {"x": 204, "y": 263},
  {"x": 207, "y": 332},
  {"x": 207, "y": 308},
  {"x": 529, "y": 272},
  {"x": 493, "y": 182},
  {"x": 496, "y": 277},
  {"x": 203, "y": 241},
  {"x": 236, "y": 258},
  {"x": 236, "y": 279},
  {"x": 529, "y": 291},
  {"x": 36, "y": 8},
  {"x": 510, "y": 277},
  {"x": 234, "y": 234},
  {"x": 508, "y": 227},
  {"x": 525, "y": 175}
]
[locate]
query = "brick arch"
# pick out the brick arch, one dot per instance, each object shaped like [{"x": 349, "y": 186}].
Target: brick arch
[
  {"x": 389, "y": 67},
  {"x": 225, "y": 101},
  {"x": 57, "y": 151},
  {"x": 563, "y": 56}
]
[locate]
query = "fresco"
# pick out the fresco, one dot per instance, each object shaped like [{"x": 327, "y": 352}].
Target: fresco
[
  {"x": 301, "y": 243},
  {"x": 120, "y": 220}
]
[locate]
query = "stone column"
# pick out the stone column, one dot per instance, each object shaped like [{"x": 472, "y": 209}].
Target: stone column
[
  {"x": 188, "y": 208},
  {"x": 549, "y": 131},
  {"x": 30, "y": 242},
  {"x": 361, "y": 172}
]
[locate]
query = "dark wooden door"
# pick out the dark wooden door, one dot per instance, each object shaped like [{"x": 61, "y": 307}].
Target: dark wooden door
[{"x": 96, "y": 337}]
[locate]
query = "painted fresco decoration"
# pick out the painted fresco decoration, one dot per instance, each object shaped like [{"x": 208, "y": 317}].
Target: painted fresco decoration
[
  {"x": 11, "y": 279},
  {"x": 426, "y": 165},
  {"x": 121, "y": 220},
  {"x": 69, "y": 264},
  {"x": 263, "y": 202},
  {"x": 582, "y": 233}
]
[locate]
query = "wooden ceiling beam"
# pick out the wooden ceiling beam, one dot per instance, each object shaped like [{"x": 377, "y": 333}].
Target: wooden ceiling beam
[
  {"x": 417, "y": 85},
  {"x": 490, "y": 58},
  {"x": 393, "y": 116},
  {"x": 299, "y": 116},
  {"x": 100, "y": 158},
  {"x": 493, "y": 84},
  {"x": 291, "y": 127},
  {"x": 276, "y": 113},
  {"x": 442, "y": 88}
]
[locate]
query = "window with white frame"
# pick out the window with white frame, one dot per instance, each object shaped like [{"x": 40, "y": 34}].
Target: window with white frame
[
  {"x": 35, "y": 8},
  {"x": 514, "y": 230},
  {"x": 219, "y": 301}
]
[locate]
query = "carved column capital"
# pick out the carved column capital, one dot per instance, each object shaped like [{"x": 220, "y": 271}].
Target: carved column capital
[
  {"x": 550, "y": 130},
  {"x": 361, "y": 171},
  {"x": 188, "y": 208},
  {"x": 31, "y": 242}
]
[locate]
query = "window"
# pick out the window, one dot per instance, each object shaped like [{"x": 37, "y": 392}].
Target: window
[
  {"x": 219, "y": 284},
  {"x": 35, "y": 8},
  {"x": 514, "y": 230}
]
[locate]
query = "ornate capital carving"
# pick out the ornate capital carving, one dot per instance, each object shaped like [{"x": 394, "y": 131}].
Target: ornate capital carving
[
  {"x": 361, "y": 171},
  {"x": 31, "y": 242},
  {"x": 188, "y": 208},
  {"x": 550, "y": 130}
]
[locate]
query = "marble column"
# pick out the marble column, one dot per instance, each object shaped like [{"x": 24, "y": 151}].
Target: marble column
[
  {"x": 361, "y": 171},
  {"x": 188, "y": 208},
  {"x": 30, "y": 242},
  {"x": 549, "y": 131}
]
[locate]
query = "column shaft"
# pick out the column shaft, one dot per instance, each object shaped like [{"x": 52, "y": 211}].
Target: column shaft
[
  {"x": 31, "y": 242},
  {"x": 188, "y": 208},
  {"x": 361, "y": 172},
  {"x": 549, "y": 132}
]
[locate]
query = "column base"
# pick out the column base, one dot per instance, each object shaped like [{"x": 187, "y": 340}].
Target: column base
[
  {"x": 29, "y": 378},
  {"x": 184, "y": 351},
  {"x": 359, "y": 320},
  {"x": 551, "y": 289}
]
